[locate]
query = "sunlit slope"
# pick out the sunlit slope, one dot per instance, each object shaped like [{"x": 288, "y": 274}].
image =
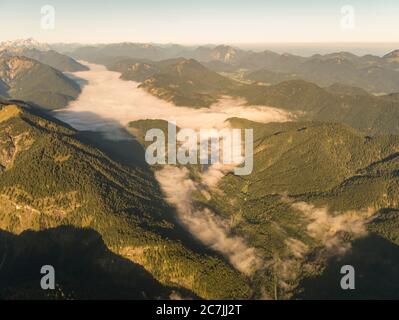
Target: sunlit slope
[
  {"x": 49, "y": 178},
  {"x": 337, "y": 172},
  {"x": 365, "y": 112},
  {"x": 189, "y": 83},
  {"x": 29, "y": 80},
  {"x": 185, "y": 82},
  {"x": 52, "y": 58}
]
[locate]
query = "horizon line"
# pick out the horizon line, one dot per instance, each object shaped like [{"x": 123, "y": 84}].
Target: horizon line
[{"x": 213, "y": 43}]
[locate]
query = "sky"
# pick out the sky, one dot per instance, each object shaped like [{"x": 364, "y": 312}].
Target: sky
[{"x": 201, "y": 22}]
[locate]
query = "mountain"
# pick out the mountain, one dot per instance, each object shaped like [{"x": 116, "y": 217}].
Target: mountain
[
  {"x": 353, "y": 106},
  {"x": 232, "y": 56},
  {"x": 188, "y": 83},
  {"x": 41, "y": 52},
  {"x": 104, "y": 54},
  {"x": 137, "y": 70},
  {"x": 270, "y": 77},
  {"x": 392, "y": 56},
  {"x": 374, "y": 74},
  {"x": 51, "y": 177},
  {"x": 50, "y": 57},
  {"x": 27, "y": 79},
  {"x": 29, "y": 43},
  {"x": 185, "y": 82},
  {"x": 109, "y": 53},
  {"x": 299, "y": 169},
  {"x": 341, "y": 89},
  {"x": 66, "y": 48},
  {"x": 375, "y": 78},
  {"x": 222, "y": 53},
  {"x": 320, "y": 195}
]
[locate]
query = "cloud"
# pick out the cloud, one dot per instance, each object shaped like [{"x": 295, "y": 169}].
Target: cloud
[
  {"x": 212, "y": 176},
  {"x": 107, "y": 104},
  {"x": 329, "y": 227},
  {"x": 117, "y": 102},
  {"x": 204, "y": 224},
  {"x": 296, "y": 247}
]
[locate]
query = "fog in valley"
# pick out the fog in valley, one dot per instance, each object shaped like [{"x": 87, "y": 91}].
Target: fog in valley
[{"x": 107, "y": 104}]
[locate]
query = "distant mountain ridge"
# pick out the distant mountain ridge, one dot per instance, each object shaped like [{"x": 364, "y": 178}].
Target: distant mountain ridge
[
  {"x": 392, "y": 56},
  {"x": 353, "y": 106},
  {"x": 50, "y": 57},
  {"x": 50, "y": 178},
  {"x": 29, "y": 43},
  {"x": 27, "y": 79},
  {"x": 331, "y": 166},
  {"x": 372, "y": 73},
  {"x": 185, "y": 82},
  {"x": 337, "y": 174},
  {"x": 323, "y": 192}
]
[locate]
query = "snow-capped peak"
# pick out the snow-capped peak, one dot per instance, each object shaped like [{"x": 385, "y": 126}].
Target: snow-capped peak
[{"x": 24, "y": 43}]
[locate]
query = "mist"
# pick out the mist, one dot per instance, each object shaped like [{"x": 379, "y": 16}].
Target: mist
[
  {"x": 119, "y": 102},
  {"x": 107, "y": 104},
  {"x": 329, "y": 227},
  {"x": 204, "y": 224}
]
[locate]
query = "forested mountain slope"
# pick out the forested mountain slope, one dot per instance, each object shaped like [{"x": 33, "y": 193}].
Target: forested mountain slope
[{"x": 49, "y": 178}]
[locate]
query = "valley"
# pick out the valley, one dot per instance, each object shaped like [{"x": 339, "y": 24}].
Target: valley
[{"x": 74, "y": 181}]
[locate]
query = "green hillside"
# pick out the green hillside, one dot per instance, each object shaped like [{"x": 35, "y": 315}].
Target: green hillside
[
  {"x": 109, "y": 53},
  {"x": 348, "y": 179},
  {"x": 188, "y": 83},
  {"x": 181, "y": 81},
  {"x": 369, "y": 72},
  {"x": 37, "y": 83},
  {"x": 323, "y": 164},
  {"x": 52, "y": 58},
  {"x": 50, "y": 178},
  {"x": 270, "y": 77},
  {"x": 353, "y": 106}
]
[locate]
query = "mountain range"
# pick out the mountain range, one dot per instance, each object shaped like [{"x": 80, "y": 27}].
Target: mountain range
[
  {"x": 372, "y": 73},
  {"x": 323, "y": 191},
  {"x": 29, "y": 43},
  {"x": 189, "y": 83},
  {"x": 26, "y": 79},
  {"x": 51, "y": 177},
  {"x": 319, "y": 193},
  {"x": 50, "y": 57}
]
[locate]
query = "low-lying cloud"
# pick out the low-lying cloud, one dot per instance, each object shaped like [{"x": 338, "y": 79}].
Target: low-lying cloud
[
  {"x": 204, "y": 224},
  {"x": 332, "y": 231},
  {"x": 107, "y": 104},
  {"x": 328, "y": 227},
  {"x": 117, "y": 102}
]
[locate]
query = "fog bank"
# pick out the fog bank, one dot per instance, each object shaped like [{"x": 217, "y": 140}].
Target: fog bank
[
  {"x": 204, "y": 224},
  {"x": 117, "y": 102},
  {"x": 107, "y": 104}
]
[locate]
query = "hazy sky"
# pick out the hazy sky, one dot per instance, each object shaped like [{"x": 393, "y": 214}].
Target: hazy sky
[{"x": 202, "y": 21}]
